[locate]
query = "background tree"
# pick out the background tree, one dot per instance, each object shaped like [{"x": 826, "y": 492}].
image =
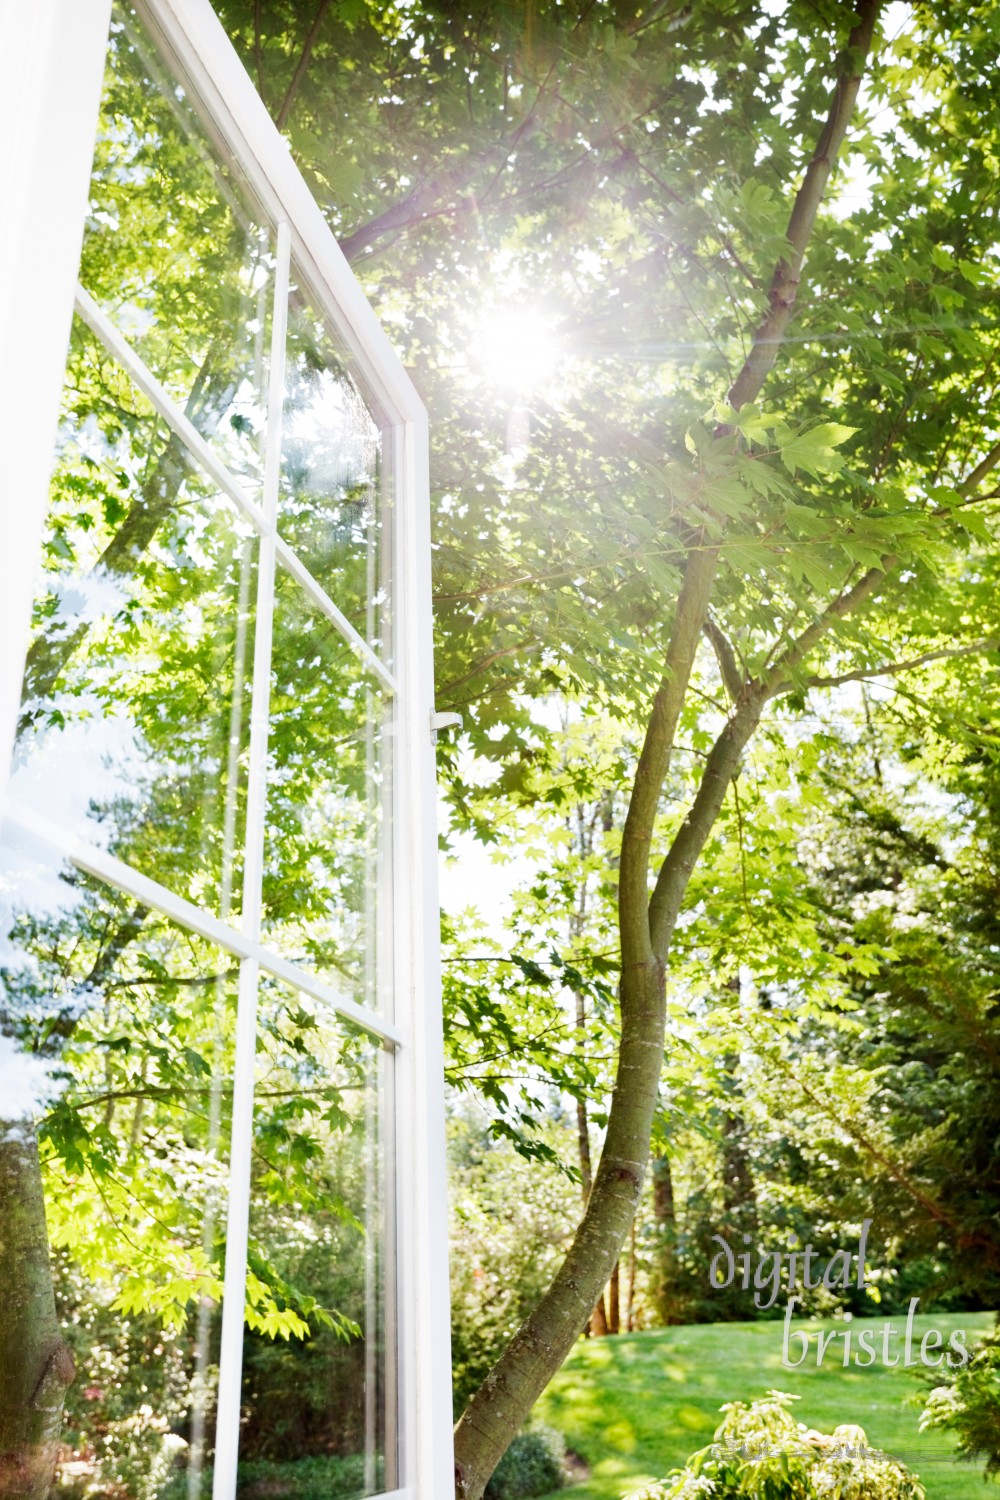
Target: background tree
[
  {"x": 676, "y": 183},
  {"x": 691, "y": 571}
]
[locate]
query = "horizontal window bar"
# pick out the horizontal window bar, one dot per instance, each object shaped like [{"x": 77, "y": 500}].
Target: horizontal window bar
[
  {"x": 119, "y": 348},
  {"x": 294, "y": 565},
  {"x": 115, "y": 872}
]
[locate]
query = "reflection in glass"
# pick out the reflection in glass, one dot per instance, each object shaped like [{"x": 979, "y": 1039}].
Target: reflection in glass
[
  {"x": 326, "y": 900},
  {"x": 136, "y": 694},
  {"x": 317, "y": 1384},
  {"x": 331, "y": 509},
  {"x": 175, "y": 254},
  {"x": 116, "y": 1042}
]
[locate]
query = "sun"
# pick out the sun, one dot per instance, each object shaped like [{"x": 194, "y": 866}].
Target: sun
[{"x": 516, "y": 350}]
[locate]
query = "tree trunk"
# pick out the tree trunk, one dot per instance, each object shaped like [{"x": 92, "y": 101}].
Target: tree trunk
[
  {"x": 597, "y": 1324},
  {"x": 36, "y": 1365},
  {"x": 540, "y": 1345},
  {"x": 646, "y": 923},
  {"x": 630, "y": 1299},
  {"x": 739, "y": 1191},
  {"x": 614, "y": 1299},
  {"x": 665, "y": 1220}
]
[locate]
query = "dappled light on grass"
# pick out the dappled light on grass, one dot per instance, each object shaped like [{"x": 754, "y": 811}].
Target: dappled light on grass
[{"x": 638, "y": 1405}]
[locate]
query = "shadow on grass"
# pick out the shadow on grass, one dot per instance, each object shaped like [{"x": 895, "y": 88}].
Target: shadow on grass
[{"x": 636, "y": 1406}]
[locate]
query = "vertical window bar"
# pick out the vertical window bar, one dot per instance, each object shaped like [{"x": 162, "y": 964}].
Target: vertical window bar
[
  {"x": 201, "y": 1385},
  {"x": 227, "y": 1435}
]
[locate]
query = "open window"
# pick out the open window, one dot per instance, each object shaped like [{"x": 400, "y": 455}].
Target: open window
[{"x": 221, "y": 1135}]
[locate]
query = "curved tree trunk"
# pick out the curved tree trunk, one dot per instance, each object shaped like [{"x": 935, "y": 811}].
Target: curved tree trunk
[
  {"x": 614, "y": 1298},
  {"x": 597, "y": 1324},
  {"x": 36, "y": 1365},
  {"x": 665, "y": 1221},
  {"x": 646, "y": 924}
]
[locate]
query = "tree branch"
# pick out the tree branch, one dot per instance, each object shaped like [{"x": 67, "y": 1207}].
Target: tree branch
[
  {"x": 979, "y": 473},
  {"x": 893, "y": 668},
  {"x": 691, "y": 837},
  {"x": 774, "y": 682},
  {"x": 847, "y": 602},
  {"x": 654, "y": 760},
  {"x": 281, "y": 118},
  {"x": 785, "y": 281},
  {"x": 732, "y": 677}
]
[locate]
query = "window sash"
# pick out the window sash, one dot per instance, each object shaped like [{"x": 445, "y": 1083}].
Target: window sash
[{"x": 63, "y": 52}]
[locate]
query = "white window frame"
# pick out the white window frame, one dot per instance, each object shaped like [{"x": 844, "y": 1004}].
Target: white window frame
[{"x": 48, "y": 122}]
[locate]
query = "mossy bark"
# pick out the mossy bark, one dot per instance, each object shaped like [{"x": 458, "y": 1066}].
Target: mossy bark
[{"x": 36, "y": 1365}]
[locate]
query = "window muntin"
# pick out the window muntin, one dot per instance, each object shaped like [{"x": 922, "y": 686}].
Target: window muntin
[
  {"x": 326, "y": 896},
  {"x": 205, "y": 463},
  {"x": 333, "y": 503},
  {"x": 123, "y": 1024},
  {"x": 136, "y": 700},
  {"x": 177, "y": 253}
]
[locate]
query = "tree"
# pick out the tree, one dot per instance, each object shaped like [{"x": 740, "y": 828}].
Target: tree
[
  {"x": 797, "y": 568},
  {"x": 691, "y": 570}
]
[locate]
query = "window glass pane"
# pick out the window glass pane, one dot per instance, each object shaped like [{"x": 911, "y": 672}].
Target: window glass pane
[
  {"x": 116, "y": 1044},
  {"x": 134, "y": 722},
  {"x": 326, "y": 865},
  {"x": 332, "y": 506},
  {"x": 318, "y": 1359},
  {"x": 174, "y": 252}
]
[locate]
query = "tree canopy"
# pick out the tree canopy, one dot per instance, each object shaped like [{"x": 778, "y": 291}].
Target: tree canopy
[{"x": 702, "y": 302}]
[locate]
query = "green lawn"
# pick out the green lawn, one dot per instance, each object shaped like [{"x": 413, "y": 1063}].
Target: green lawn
[{"x": 637, "y": 1405}]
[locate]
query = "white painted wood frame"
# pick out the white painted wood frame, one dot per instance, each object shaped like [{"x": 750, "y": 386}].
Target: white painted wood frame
[{"x": 47, "y": 119}]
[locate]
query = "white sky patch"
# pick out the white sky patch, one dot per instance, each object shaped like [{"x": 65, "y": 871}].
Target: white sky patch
[
  {"x": 472, "y": 877},
  {"x": 87, "y": 761},
  {"x": 854, "y": 187},
  {"x": 25, "y": 1084}
]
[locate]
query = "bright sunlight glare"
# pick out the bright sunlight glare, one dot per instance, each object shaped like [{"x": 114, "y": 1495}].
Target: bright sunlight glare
[{"x": 517, "y": 350}]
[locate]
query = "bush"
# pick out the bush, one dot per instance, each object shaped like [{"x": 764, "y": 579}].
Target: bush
[
  {"x": 761, "y": 1451},
  {"x": 510, "y": 1223},
  {"x": 968, "y": 1404},
  {"x": 532, "y": 1465},
  {"x": 299, "y": 1479},
  {"x": 303, "y": 1479}
]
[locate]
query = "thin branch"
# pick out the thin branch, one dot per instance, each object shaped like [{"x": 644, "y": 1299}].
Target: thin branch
[
  {"x": 530, "y": 644},
  {"x": 673, "y": 23},
  {"x": 654, "y": 760},
  {"x": 979, "y": 473},
  {"x": 893, "y": 668},
  {"x": 774, "y": 682},
  {"x": 725, "y": 655},
  {"x": 281, "y": 118},
  {"x": 785, "y": 281}
]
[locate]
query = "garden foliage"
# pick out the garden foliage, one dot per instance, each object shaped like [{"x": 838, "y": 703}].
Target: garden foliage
[{"x": 760, "y": 1451}]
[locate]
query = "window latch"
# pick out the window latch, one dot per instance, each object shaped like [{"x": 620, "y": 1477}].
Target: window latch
[{"x": 443, "y": 721}]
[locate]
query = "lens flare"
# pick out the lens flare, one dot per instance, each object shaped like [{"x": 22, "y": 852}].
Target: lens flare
[{"x": 516, "y": 350}]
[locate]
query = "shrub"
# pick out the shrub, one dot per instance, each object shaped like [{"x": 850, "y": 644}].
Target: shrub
[
  {"x": 532, "y": 1465},
  {"x": 761, "y": 1451},
  {"x": 968, "y": 1404},
  {"x": 299, "y": 1479}
]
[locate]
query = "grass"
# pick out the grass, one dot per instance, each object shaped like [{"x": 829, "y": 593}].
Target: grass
[{"x": 638, "y": 1405}]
